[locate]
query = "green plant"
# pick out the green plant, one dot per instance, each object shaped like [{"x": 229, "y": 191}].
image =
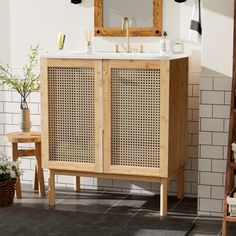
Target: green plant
[
  {"x": 8, "y": 169},
  {"x": 30, "y": 81}
]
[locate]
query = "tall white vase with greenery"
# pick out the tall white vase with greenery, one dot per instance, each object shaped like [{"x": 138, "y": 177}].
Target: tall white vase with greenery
[{"x": 23, "y": 85}]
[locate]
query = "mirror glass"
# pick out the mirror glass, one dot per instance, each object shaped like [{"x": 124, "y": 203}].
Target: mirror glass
[{"x": 140, "y": 13}]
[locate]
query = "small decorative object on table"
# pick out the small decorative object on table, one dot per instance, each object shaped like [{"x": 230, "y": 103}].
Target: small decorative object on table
[
  {"x": 88, "y": 45},
  {"x": 165, "y": 44},
  {"x": 24, "y": 86},
  {"x": 178, "y": 47},
  {"x": 61, "y": 41},
  {"x": 8, "y": 173}
]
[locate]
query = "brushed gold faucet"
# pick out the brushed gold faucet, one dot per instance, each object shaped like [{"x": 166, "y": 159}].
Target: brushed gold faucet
[{"x": 125, "y": 23}]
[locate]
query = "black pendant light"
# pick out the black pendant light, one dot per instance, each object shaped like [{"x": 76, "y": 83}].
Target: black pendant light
[
  {"x": 76, "y": 1},
  {"x": 180, "y": 1}
]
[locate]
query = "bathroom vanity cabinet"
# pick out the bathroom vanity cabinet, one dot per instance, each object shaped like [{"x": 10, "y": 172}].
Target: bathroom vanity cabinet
[{"x": 115, "y": 117}]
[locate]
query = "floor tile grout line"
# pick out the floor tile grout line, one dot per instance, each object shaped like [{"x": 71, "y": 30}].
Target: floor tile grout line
[
  {"x": 67, "y": 196},
  {"x": 197, "y": 217},
  {"x": 140, "y": 209},
  {"x": 175, "y": 205},
  {"x": 57, "y": 202},
  {"x": 115, "y": 204}
]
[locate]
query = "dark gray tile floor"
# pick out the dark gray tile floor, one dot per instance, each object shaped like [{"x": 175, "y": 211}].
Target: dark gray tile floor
[{"x": 125, "y": 204}]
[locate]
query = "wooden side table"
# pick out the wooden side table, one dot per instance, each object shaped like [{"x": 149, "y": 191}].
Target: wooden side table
[{"x": 29, "y": 137}]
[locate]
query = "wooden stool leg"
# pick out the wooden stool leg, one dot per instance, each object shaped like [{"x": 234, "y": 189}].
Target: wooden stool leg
[
  {"x": 15, "y": 158},
  {"x": 180, "y": 190},
  {"x": 40, "y": 169},
  {"x": 51, "y": 190},
  {"x": 77, "y": 183},
  {"x": 224, "y": 228},
  {"x": 35, "y": 181},
  {"x": 163, "y": 197}
]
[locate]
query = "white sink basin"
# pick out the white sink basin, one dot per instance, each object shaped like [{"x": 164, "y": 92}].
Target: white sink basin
[
  {"x": 132, "y": 54},
  {"x": 113, "y": 55}
]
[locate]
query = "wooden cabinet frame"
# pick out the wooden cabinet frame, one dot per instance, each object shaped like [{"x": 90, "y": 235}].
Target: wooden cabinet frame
[
  {"x": 164, "y": 110},
  {"x": 173, "y": 125},
  {"x": 56, "y": 63},
  {"x": 99, "y": 29}
]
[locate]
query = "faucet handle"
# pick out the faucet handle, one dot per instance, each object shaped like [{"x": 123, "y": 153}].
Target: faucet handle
[
  {"x": 117, "y": 48},
  {"x": 141, "y": 48}
]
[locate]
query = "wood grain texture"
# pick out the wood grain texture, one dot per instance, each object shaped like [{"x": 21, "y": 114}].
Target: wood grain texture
[
  {"x": 23, "y": 137},
  {"x": 98, "y": 13},
  {"x": 180, "y": 182},
  {"x": 39, "y": 169},
  {"x": 51, "y": 188},
  {"x": 173, "y": 125},
  {"x": 77, "y": 183},
  {"x": 44, "y": 111},
  {"x": 98, "y": 116},
  {"x": 100, "y": 30},
  {"x": 15, "y": 158},
  {"x": 157, "y": 14},
  {"x": 164, "y": 119},
  {"x": 178, "y": 118},
  {"x": 70, "y": 63},
  {"x": 163, "y": 196},
  {"x": 107, "y": 176},
  {"x": 107, "y": 115},
  {"x": 29, "y": 137},
  {"x": 230, "y": 171},
  {"x": 107, "y": 66}
]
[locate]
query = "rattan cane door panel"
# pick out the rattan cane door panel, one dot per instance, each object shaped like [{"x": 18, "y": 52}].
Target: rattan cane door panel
[
  {"x": 132, "y": 118},
  {"x": 72, "y": 111}
]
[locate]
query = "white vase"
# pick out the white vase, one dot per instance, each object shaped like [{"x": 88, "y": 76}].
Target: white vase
[{"x": 25, "y": 120}]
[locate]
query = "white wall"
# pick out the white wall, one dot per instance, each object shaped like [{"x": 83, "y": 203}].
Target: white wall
[
  {"x": 4, "y": 32},
  {"x": 217, "y": 43},
  {"x": 35, "y": 21},
  {"x": 215, "y": 93}
]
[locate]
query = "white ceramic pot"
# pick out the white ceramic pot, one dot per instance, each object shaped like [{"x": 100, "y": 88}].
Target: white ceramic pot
[{"x": 25, "y": 120}]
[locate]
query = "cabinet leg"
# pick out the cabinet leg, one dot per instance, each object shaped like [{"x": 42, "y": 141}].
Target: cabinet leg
[
  {"x": 224, "y": 228},
  {"x": 35, "y": 181},
  {"x": 15, "y": 158},
  {"x": 51, "y": 189},
  {"x": 77, "y": 183},
  {"x": 180, "y": 190},
  {"x": 40, "y": 170},
  {"x": 163, "y": 197},
  {"x": 18, "y": 188}
]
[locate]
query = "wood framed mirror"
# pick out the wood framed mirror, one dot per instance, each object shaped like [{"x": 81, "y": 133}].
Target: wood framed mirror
[{"x": 145, "y": 17}]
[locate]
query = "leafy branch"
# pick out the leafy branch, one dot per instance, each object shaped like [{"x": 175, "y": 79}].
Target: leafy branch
[{"x": 30, "y": 82}]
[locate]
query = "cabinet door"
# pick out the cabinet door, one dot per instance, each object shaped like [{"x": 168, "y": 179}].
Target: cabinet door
[
  {"x": 132, "y": 117},
  {"x": 70, "y": 126}
]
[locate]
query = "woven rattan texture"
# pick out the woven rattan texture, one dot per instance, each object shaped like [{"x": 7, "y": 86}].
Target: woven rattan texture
[
  {"x": 7, "y": 192},
  {"x": 135, "y": 117},
  {"x": 71, "y": 114}
]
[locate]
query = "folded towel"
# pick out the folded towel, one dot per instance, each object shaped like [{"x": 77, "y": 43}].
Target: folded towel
[{"x": 195, "y": 26}]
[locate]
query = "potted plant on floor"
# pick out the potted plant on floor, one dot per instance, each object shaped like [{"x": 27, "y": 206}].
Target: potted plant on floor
[
  {"x": 9, "y": 171},
  {"x": 24, "y": 86}
]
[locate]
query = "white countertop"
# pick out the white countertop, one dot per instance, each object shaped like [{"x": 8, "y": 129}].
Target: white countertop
[{"x": 112, "y": 55}]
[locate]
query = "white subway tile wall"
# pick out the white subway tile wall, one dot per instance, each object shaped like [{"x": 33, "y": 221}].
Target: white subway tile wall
[
  {"x": 214, "y": 111},
  {"x": 10, "y": 119}
]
